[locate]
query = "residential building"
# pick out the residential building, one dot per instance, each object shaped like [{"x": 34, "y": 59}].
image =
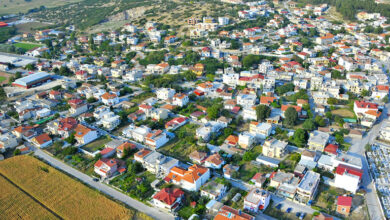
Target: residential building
[
  {"x": 260, "y": 130},
  {"x": 158, "y": 163},
  {"x": 85, "y": 135},
  {"x": 246, "y": 140},
  {"x": 348, "y": 178},
  {"x": 42, "y": 140},
  {"x": 344, "y": 204},
  {"x": 165, "y": 93},
  {"x": 213, "y": 190},
  {"x": 123, "y": 148},
  {"x": 106, "y": 167},
  {"x": 168, "y": 198},
  {"x": 198, "y": 157},
  {"x": 180, "y": 99},
  {"x": 156, "y": 139},
  {"x": 307, "y": 188},
  {"x": 214, "y": 161},
  {"x": 7, "y": 141},
  {"x": 191, "y": 179},
  {"x": 318, "y": 140},
  {"x": 274, "y": 148},
  {"x": 228, "y": 213},
  {"x": 257, "y": 200}
]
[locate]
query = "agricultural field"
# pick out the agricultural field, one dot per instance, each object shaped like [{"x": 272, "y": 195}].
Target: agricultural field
[
  {"x": 27, "y": 46},
  {"x": 16, "y": 6},
  {"x": 16, "y": 204},
  {"x": 66, "y": 197}
]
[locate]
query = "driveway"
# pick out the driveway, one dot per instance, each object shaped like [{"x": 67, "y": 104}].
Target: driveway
[{"x": 152, "y": 212}]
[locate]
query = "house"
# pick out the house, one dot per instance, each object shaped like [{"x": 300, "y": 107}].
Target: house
[
  {"x": 110, "y": 99},
  {"x": 348, "y": 178},
  {"x": 123, "y": 148},
  {"x": 213, "y": 190},
  {"x": 257, "y": 200},
  {"x": 307, "y": 188},
  {"x": 228, "y": 170},
  {"x": 285, "y": 183},
  {"x": 274, "y": 148},
  {"x": 198, "y": 157},
  {"x": 158, "y": 164},
  {"x": 318, "y": 140},
  {"x": 106, "y": 167},
  {"x": 214, "y": 161},
  {"x": 7, "y": 141},
  {"x": 42, "y": 140},
  {"x": 156, "y": 139},
  {"x": 176, "y": 123},
  {"x": 231, "y": 140},
  {"x": 77, "y": 106},
  {"x": 168, "y": 198},
  {"x": 265, "y": 100},
  {"x": 24, "y": 131},
  {"x": 258, "y": 180},
  {"x": 141, "y": 154},
  {"x": 53, "y": 94},
  {"x": 85, "y": 135},
  {"x": 260, "y": 130},
  {"x": 228, "y": 213},
  {"x": 246, "y": 140},
  {"x": 344, "y": 204},
  {"x": 191, "y": 179},
  {"x": 180, "y": 99},
  {"x": 331, "y": 149},
  {"x": 165, "y": 93},
  {"x": 63, "y": 127}
]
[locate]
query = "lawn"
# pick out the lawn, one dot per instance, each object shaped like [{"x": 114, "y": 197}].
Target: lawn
[
  {"x": 27, "y": 46},
  {"x": 2, "y": 79},
  {"x": 344, "y": 113},
  {"x": 65, "y": 196},
  {"x": 97, "y": 144},
  {"x": 16, "y": 204},
  {"x": 183, "y": 144}
]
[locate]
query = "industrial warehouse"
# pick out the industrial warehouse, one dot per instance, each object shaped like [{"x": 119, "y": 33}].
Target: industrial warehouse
[{"x": 32, "y": 80}]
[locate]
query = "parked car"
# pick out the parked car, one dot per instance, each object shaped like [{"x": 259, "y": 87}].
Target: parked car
[
  {"x": 297, "y": 214},
  {"x": 96, "y": 179},
  {"x": 279, "y": 206},
  {"x": 302, "y": 215},
  {"x": 289, "y": 210}
]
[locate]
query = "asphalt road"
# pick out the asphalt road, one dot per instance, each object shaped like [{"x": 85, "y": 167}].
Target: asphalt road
[
  {"x": 358, "y": 149},
  {"x": 152, "y": 212}
]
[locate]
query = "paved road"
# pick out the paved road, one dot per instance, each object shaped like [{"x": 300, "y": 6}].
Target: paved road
[
  {"x": 358, "y": 149},
  {"x": 153, "y": 212}
]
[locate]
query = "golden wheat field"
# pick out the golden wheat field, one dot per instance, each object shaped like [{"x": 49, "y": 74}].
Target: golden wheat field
[
  {"x": 64, "y": 196},
  {"x": 15, "y": 204}
]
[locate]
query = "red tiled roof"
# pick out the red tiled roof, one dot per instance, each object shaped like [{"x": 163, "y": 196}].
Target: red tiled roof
[
  {"x": 331, "y": 148},
  {"x": 363, "y": 104},
  {"x": 341, "y": 169},
  {"x": 168, "y": 195},
  {"x": 344, "y": 201}
]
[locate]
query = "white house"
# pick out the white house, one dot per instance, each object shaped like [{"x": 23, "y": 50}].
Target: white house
[
  {"x": 156, "y": 139},
  {"x": 180, "y": 99},
  {"x": 257, "y": 199},
  {"x": 348, "y": 178},
  {"x": 260, "y": 130},
  {"x": 165, "y": 93},
  {"x": 85, "y": 135},
  {"x": 110, "y": 99},
  {"x": 168, "y": 198},
  {"x": 246, "y": 140},
  {"x": 191, "y": 179}
]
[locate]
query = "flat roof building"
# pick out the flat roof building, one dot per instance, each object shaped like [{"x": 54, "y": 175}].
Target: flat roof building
[
  {"x": 307, "y": 188},
  {"x": 32, "y": 80}
]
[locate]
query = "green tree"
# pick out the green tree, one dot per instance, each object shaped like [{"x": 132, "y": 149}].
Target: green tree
[
  {"x": 365, "y": 93},
  {"x": 17, "y": 152},
  {"x": 290, "y": 116},
  {"x": 262, "y": 112},
  {"x": 299, "y": 138},
  {"x": 309, "y": 125},
  {"x": 250, "y": 60},
  {"x": 213, "y": 111},
  {"x": 319, "y": 121}
]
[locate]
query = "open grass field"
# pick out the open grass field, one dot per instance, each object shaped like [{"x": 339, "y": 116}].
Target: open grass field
[
  {"x": 16, "y": 6},
  {"x": 4, "y": 78},
  {"x": 16, "y": 204},
  {"x": 344, "y": 113},
  {"x": 65, "y": 196},
  {"x": 97, "y": 144},
  {"x": 27, "y": 46}
]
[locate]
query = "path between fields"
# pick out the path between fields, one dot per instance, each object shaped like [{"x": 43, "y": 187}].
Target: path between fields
[
  {"x": 139, "y": 206},
  {"x": 31, "y": 196}
]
